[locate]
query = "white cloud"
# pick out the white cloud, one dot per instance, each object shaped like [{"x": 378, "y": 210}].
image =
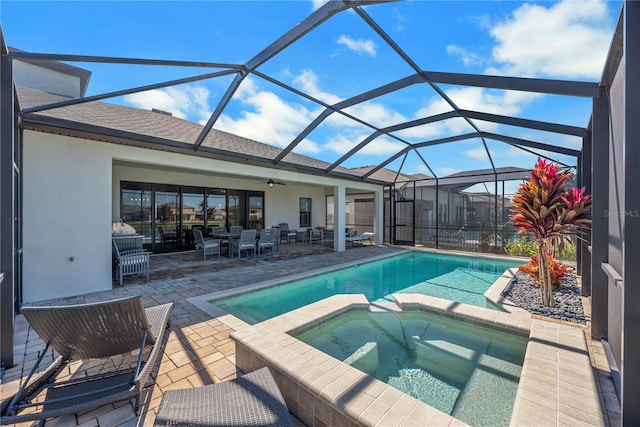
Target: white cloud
[
  {"x": 568, "y": 39},
  {"x": 343, "y": 142},
  {"x": 446, "y": 171},
  {"x": 508, "y": 103},
  {"x": 420, "y": 168},
  {"x": 468, "y": 58},
  {"x": 400, "y": 19},
  {"x": 371, "y": 112},
  {"x": 477, "y": 153},
  {"x": 181, "y": 101},
  {"x": 268, "y": 118},
  {"x": 359, "y": 46},
  {"x": 316, "y": 4},
  {"x": 307, "y": 81}
]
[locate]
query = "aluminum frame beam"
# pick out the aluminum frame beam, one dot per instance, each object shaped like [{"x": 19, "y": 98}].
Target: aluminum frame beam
[
  {"x": 319, "y": 16},
  {"x": 507, "y": 139},
  {"x": 7, "y": 188},
  {"x": 630, "y": 370},
  {"x": 363, "y": 97},
  {"x": 35, "y": 56},
  {"x": 546, "y": 86},
  {"x": 525, "y": 123},
  {"x": 418, "y": 70},
  {"x": 126, "y": 91},
  {"x": 387, "y": 130},
  {"x": 537, "y": 145}
]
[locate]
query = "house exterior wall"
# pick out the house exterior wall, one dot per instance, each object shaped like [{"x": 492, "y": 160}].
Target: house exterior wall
[
  {"x": 67, "y": 213},
  {"x": 45, "y": 79},
  {"x": 71, "y": 195}
]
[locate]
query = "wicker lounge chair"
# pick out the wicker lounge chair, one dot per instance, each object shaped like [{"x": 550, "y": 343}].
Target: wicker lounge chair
[
  {"x": 360, "y": 238},
  {"x": 250, "y": 400},
  {"x": 122, "y": 338}
]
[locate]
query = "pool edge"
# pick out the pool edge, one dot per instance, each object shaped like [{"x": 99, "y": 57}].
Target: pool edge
[{"x": 556, "y": 369}]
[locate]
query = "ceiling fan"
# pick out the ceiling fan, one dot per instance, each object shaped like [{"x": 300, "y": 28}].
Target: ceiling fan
[{"x": 271, "y": 183}]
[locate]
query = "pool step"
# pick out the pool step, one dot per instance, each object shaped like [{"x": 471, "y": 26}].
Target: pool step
[
  {"x": 427, "y": 388},
  {"x": 365, "y": 358},
  {"x": 449, "y": 362},
  {"x": 489, "y": 394}
]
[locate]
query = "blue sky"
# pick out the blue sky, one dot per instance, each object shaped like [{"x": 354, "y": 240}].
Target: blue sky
[{"x": 337, "y": 60}]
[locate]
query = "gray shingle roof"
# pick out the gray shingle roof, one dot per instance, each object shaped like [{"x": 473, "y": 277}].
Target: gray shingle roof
[{"x": 114, "y": 122}]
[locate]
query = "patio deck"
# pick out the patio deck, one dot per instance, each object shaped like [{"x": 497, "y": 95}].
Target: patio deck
[{"x": 199, "y": 350}]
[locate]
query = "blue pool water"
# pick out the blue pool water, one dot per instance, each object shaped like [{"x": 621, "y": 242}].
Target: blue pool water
[
  {"x": 452, "y": 277},
  {"x": 463, "y": 369}
]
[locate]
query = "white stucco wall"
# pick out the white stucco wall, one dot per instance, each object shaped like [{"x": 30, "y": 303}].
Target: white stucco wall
[
  {"x": 67, "y": 213},
  {"x": 71, "y": 194},
  {"x": 30, "y": 75}
]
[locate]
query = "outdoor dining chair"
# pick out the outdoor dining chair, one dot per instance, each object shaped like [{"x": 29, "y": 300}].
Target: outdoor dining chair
[
  {"x": 246, "y": 242},
  {"x": 315, "y": 235},
  {"x": 215, "y": 229},
  {"x": 287, "y": 234},
  {"x": 266, "y": 241},
  {"x": 129, "y": 261},
  {"x": 275, "y": 237},
  {"x": 206, "y": 246},
  {"x": 235, "y": 229}
]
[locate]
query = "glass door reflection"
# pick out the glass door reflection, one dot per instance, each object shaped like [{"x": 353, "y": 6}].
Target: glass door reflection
[
  {"x": 192, "y": 214},
  {"x": 135, "y": 209},
  {"x": 216, "y": 208},
  {"x": 167, "y": 209}
]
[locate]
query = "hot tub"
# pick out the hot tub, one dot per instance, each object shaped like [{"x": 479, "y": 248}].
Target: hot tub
[
  {"x": 464, "y": 369},
  {"x": 334, "y": 390}
]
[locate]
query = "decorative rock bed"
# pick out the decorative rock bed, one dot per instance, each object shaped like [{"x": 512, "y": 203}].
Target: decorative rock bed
[{"x": 568, "y": 303}]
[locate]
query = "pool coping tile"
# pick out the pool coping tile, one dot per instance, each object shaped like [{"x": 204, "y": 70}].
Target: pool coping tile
[{"x": 556, "y": 362}]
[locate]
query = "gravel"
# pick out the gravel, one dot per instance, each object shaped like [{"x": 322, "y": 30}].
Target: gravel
[{"x": 568, "y": 304}]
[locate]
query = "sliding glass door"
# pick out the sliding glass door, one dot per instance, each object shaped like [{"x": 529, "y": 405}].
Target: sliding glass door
[
  {"x": 167, "y": 217},
  {"x": 167, "y": 214},
  {"x": 135, "y": 209},
  {"x": 192, "y": 213},
  {"x": 256, "y": 210}
]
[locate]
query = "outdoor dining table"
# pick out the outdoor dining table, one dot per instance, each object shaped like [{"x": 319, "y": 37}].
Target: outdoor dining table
[{"x": 228, "y": 236}]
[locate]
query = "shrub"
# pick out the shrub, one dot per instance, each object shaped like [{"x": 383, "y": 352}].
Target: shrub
[
  {"x": 521, "y": 247},
  {"x": 568, "y": 253},
  {"x": 557, "y": 270}
]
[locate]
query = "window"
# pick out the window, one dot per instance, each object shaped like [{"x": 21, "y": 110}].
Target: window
[
  {"x": 166, "y": 214},
  {"x": 305, "y": 212}
]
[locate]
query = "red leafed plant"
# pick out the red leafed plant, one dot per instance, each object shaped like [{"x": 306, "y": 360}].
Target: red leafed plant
[
  {"x": 557, "y": 270},
  {"x": 550, "y": 213}
]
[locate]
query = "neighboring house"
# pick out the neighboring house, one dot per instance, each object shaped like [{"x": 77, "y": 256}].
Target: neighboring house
[{"x": 87, "y": 165}]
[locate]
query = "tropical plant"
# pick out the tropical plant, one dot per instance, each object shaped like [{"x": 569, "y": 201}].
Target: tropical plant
[
  {"x": 557, "y": 269},
  {"x": 550, "y": 213}
]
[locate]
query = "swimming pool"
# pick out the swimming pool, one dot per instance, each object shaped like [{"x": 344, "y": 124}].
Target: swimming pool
[
  {"x": 452, "y": 277},
  {"x": 467, "y": 370}
]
